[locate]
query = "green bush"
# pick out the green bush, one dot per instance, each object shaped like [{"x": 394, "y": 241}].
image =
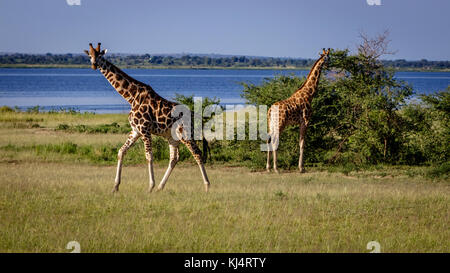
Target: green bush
[
  {"x": 6, "y": 109},
  {"x": 356, "y": 116}
]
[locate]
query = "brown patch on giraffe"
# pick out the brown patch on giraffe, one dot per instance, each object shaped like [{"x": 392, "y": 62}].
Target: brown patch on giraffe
[
  {"x": 165, "y": 111},
  {"x": 147, "y": 116},
  {"x": 133, "y": 89},
  {"x": 154, "y": 105},
  {"x": 125, "y": 84},
  {"x": 161, "y": 119}
]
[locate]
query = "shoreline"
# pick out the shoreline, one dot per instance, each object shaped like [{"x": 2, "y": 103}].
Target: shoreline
[{"x": 12, "y": 66}]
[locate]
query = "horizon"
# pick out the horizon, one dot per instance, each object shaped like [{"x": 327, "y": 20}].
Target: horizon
[
  {"x": 212, "y": 55},
  {"x": 277, "y": 29}
]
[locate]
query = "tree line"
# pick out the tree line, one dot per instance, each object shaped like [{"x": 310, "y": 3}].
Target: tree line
[
  {"x": 147, "y": 60},
  {"x": 362, "y": 116}
]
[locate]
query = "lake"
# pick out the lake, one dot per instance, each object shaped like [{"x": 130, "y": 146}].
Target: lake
[{"x": 88, "y": 90}]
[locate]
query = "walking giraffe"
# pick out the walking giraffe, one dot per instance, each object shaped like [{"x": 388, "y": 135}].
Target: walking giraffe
[
  {"x": 296, "y": 110},
  {"x": 150, "y": 115}
]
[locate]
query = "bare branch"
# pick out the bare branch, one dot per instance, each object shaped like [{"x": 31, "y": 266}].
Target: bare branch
[{"x": 375, "y": 47}]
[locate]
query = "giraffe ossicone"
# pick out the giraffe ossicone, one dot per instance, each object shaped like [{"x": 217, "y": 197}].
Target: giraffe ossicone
[{"x": 150, "y": 114}]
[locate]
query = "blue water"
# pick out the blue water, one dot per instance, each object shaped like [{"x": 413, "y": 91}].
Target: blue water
[{"x": 88, "y": 90}]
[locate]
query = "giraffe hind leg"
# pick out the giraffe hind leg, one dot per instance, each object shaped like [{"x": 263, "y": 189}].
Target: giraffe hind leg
[
  {"x": 197, "y": 154},
  {"x": 149, "y": 156}
]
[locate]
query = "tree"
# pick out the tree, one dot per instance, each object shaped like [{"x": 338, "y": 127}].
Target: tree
[
  {"x": 355, "y": 115},
  {"x": 372, "y": 97}
]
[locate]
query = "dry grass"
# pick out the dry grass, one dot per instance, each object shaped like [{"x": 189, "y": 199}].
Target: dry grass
[
  {"x": 49, "y": 197},
  {"x": 45, "y": 205}
]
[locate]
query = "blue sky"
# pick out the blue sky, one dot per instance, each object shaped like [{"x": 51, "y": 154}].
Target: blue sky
[{"x": 284, "y": 28}]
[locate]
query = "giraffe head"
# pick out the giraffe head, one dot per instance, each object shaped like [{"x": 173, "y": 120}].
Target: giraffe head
[
  {"x": 324, "y": 55},
  {"x": 94, "y": 54}
]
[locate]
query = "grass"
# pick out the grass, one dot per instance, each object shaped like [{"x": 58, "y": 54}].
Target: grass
[
  {"x": 55, "y": 187},
  {"x": 45, "y": 205}
]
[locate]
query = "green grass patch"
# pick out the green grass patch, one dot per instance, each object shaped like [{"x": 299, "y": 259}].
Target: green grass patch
[
  {"x": 113, "y": 128},
  {"x": 55, "y": 184},
  {"x": 43, "y": 206}
]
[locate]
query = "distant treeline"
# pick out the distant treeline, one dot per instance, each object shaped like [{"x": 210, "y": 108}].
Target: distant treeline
[{"x": 147, "y": 60}]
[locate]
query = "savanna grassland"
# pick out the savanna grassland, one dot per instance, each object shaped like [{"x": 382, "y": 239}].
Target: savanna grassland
[{"x": 57, "y": 172}]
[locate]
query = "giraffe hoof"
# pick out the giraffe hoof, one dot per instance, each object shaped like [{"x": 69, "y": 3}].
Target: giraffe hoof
[
  {"x": 276, "y": 171},
  {"x": 302, "y": 170},
  {"x": 206, "y": 187},
  {"x": 115, "y": 190}
]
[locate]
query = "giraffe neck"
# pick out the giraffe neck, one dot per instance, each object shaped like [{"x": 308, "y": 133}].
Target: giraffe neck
[
  {"x": 130, "y": 89},
  {"x": 309, "y": 87}
]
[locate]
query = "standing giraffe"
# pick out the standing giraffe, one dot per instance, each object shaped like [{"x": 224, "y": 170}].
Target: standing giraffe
[
  {"x": 296, "y": 110},
  {"x": 150, "y": 114}
]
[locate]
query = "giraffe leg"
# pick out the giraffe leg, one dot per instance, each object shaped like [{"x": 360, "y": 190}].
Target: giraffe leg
[
  {"x": 195, "y": 151},
  {"x": 149, "y": 157},
  {"x": 274, "y": 144},
  {"x": 132, "y": 137},
  {"x": 174, "y": 156},
  {"x": 275, "y": 168},
  {"x": 268, "y": 154},
  {"x": 302, "y": 147}
]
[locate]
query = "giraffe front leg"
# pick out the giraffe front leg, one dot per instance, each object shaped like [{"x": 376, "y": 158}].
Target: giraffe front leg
[
  {"x": 302, "y": 147},
  {"x": 149, "y": 157},
  {"x": 174, "y": 157},
  {"x": 274, "y": 147},
  {"x": 132, "y": 137},
  {"x": 268, "y": 155},
  {"x": 275, "y": 167}
]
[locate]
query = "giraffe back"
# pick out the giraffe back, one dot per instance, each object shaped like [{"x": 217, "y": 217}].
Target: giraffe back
[{"x": 151, "y": 114}]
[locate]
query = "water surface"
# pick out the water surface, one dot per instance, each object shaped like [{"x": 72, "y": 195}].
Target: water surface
[{"x": 88, "y": 90}]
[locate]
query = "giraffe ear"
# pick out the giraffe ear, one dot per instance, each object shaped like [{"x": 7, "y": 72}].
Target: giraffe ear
[
  {"x": 103, "y": 52},
  {"x": 87, "y": 52}
]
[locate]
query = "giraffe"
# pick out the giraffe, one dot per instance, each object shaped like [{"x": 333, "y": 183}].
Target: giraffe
[
  {"x": 296, "y": 110},
  {"x": 150, "y": 115}
]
